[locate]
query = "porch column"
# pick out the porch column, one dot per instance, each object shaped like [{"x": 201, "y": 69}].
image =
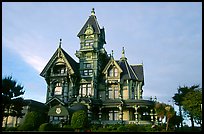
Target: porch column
[
  {"x": 120, "y": 113},
  {"x": 152, "y": 115},
  {"x": 99, "y": 114},
  {"x": 136, "y": 113}
]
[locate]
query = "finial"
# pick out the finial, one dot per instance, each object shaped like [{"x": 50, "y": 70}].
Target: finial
[
  {"x": 123, "y": 58},
  {"x": 92, "y": 12},
  {"x": 123, "y": 52},
  {"x": 60, "y": 43},
  {"x": 112, "y": 53}
]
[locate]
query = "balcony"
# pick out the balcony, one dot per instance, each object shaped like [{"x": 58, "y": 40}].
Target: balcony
[{"x": 59, "y": 74}]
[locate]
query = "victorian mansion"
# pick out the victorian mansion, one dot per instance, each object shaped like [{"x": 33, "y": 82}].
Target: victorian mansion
[{"x": 109, "y": 90}]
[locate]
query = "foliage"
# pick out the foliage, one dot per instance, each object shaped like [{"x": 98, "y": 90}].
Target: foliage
[
  {"x": 45, "y": 127},
  {"x": 79, "y": 119},
  {"x": 182, "y": 98},
  {"x": 12, "y": 103},
  {"x": 130, "y": 128},
  {"x": 11, "y": 129},
  {"x": 32, "y": 121},
  {"x": 68, "y": 128},
  {"x": 192, "y": 104}
]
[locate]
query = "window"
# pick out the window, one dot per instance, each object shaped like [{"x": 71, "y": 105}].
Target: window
[
  {"x": 58, "y": 89},
  {"x": 113, "y": 72},
  {"x": 113, "y": 115},
  {"x": 59, "y": 69},
  {"x": 88, "y": 72},
  {"x": 113, "y": 92},
  {"x": 87, "y": 65},
  {"x": 85, "y": 90},
  {"x": 88, "y": 42}
]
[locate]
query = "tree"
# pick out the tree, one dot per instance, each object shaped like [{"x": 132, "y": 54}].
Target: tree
[
  {"x": 32, "y": 121},
  {"x": 79, "y": 120},
  {"x": 12, "y": 101},
  {"x": 179, "y": 98},
  {"x": 169, "y": 114},
  {"x": 164, "y": 110},
  {"x": 192, "y": 105}
]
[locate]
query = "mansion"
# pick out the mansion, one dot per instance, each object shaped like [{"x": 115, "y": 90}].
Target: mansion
[{"x": 109, "y": 90}]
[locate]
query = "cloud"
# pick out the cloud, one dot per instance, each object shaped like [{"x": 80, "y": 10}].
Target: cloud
[{"x": 28, "y": 47}]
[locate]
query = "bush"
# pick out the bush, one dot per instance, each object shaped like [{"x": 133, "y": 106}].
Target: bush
[
  {"x": 121, "y": 129},
  {"x": 32, "y": 122},
  {"x": 68, "y": 128},
  {"x": 11, "y": 129},
  {"x": 45, "y": 127},
  {"x": 79, "y": 120}
]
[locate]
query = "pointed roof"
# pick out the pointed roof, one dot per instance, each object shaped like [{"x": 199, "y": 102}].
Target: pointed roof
[
  {"x": 128, "y": 72},
  {"x": 112, "y": 61},
  {"x": 138, "y": 69},
  {"x": 54, "y": 99},
  {"x": 68, "y": 60},
  {"x": 92, "y": 21}
]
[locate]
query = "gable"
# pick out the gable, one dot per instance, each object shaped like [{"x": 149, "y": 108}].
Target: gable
[
  {"x": 110, "y": 63},
  {"x": 54, "y": 101},
  {"x": 60, "y": 57}
]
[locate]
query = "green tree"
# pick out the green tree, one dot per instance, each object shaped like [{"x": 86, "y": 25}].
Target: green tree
[
  {"x": 192, "y": 105},
  {"x": 32, "y": 121},
  {"x": 12, "y": 101},
  {"x": 79, "y": 120},
  {"x": 179, "y": 98}
]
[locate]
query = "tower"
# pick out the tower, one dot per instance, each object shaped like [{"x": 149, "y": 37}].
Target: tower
[{"x": 91, "y": 56}]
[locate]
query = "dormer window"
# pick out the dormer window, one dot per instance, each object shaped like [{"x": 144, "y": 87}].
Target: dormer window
[
  {"x": 113, "y": 72},
  {"x": 59, "y": 69},
  {"x": 58, "y": 89}
]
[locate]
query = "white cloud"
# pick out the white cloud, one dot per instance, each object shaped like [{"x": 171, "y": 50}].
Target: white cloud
[{"x": 29, "y": 48}]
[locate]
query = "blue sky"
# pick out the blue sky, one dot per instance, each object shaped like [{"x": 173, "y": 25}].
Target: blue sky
[{"x": 165, "y": 37}]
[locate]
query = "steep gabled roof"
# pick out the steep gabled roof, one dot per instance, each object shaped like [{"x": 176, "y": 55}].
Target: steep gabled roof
[
  {"x": 54, "y": 99},
  {"x": 72, "y": 62},
  {"x": 128, "y": 72},
  {"x": 68, "y": 60},
  {"x": 112, "y": 61},
  {"x": 138, "y": 69},
  {"x": 92, "y": 21}
]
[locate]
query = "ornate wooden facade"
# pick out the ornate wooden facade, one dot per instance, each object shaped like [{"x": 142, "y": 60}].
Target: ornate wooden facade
[{"x": 109, "y": 90}]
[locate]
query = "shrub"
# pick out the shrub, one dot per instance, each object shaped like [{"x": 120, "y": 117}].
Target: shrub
[
  {"x": 121, "y": 129},
  {"x": 68, "y": 128},
  {"x": 45, "y": 127},
  {"x": 79, "y": 120},
  {"x": 32, "y": 122},
  {"x": 11, "y": 129}
]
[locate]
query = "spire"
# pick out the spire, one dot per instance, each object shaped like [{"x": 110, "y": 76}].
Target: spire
[
  {"x": 93, "y": 12},
  {"x": 112, "y": 54},
  {"x": 123, "y": 52},
  {"x": 60, "y": 43},
  {"x": 123, "y": 58}
]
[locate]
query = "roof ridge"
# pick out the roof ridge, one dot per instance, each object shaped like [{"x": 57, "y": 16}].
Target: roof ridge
[
  {"x": 127, "y": 69},
  {"x": 133, "y": 72}
]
